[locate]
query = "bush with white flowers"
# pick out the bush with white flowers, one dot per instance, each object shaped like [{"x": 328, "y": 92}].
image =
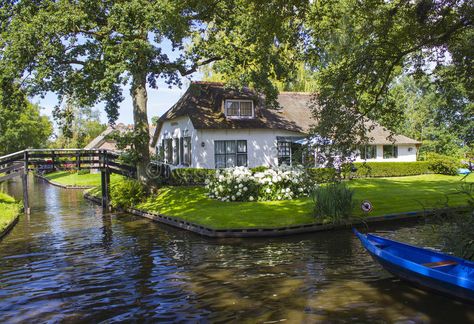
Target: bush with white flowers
[{"x": 241, "y": 184}]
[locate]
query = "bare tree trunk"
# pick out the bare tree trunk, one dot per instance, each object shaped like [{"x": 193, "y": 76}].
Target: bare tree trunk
[{"x": 141, "y": 130}]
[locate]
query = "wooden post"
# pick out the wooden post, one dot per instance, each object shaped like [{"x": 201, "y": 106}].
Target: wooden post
[
  {"x": 53, "y": 158},
  {"x": 24, "y": 178},
  {"x": 105, "y": 181},
  {"x": 78, "y": 161}
]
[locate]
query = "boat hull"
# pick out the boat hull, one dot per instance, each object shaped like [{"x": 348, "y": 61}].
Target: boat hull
[
  {"x": 426, "y": 282},
  {"x": 426, "y": 268}
]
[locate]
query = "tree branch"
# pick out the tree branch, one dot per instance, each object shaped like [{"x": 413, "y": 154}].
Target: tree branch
[{"x": 195, "y": 66}]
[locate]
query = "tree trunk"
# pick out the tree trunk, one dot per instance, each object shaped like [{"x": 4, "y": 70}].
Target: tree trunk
[{"x": 141, "y": 130}]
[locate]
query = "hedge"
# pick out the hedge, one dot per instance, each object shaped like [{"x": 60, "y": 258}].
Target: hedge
[
  {"x": 321, "y": 175},
  {"x": 190, "y": 176},
  {"x": 197, "y": 176},
  {"x": 390, "y": 169}
]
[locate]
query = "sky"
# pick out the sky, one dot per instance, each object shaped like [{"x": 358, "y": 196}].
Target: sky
[{"x": 159, "y": 100}]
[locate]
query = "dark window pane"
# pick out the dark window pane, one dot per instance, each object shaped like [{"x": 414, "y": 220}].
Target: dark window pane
[
  {"x": 241, "y": 146},
  {"x": 390, "y": 151},
  {"x": 230, "y": 161},
  {"x": 187, "y": 151},
  {"x": 245, "y": 108},
  {"x": 220, "y": 161},
  {"x": 242, "y": 160},
  {"x": 232, "y": 108},
  {"x": 230, "y": 147},
  {"x": 220, "y": 147}
]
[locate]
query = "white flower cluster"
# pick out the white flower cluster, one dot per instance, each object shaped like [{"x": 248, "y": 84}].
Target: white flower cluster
[{"x": 241, "y": 184}]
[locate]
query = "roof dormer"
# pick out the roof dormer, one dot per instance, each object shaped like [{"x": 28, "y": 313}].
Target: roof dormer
[{"x": 239, "y": 108}]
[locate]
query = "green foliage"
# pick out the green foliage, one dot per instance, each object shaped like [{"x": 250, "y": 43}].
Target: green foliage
[
  {"x": 442, "y": 164},
  {"x": 126, "y": 193},
  {"x": 190, "y": 176},
  {"x": 83, "y": 172},
  {"x": 360, "y": 47},
  {"x": 321, "y": 175},
  {"x": 390, "y": 169},
  {"x": 78, "y": 126},
  {"x": 436, "y": 112},
  {"x": 261, "y": 168},
  {"x": 333, "y": 202},
  {"x": 23, "y": 128}
]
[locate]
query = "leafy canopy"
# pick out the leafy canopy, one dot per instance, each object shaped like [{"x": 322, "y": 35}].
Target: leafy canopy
[{"x": 358, "y": 48}]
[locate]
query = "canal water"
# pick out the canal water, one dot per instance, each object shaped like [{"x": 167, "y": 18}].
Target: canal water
[{"x": 69, "y": 262}]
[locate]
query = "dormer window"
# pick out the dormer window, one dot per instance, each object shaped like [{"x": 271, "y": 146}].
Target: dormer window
[{"x": 239, "y": 108}]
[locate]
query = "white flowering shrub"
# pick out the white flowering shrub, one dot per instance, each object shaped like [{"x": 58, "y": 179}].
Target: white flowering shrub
[{"x": 241, "y": 184}]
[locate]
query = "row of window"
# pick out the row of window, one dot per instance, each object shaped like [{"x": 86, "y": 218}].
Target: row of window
[
  {"x": 227, "y": 154},
  {"x": 369, "y": 152},
  {"x": 177, "y": 151}
]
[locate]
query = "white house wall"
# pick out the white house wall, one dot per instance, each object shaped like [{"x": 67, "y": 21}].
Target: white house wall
[
  {"x": 404, "y": 154},
  {"x": 261, "y": 143}
]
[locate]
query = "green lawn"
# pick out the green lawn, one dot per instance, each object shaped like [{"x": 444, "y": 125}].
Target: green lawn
[
  {"x": 388, "y": 195},
  {"x": 75, "y": 179},
  {"x": 9, "y": 209}
]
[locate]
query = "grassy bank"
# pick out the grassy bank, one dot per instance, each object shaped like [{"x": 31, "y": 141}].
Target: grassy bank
[
  {"x": 388, "y": 195},
  {"x": 9, "y": 210},
  {"x": 75, "y": 179}
]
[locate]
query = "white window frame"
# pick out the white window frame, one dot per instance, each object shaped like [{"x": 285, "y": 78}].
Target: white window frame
[{"x": 239, "y": 101}]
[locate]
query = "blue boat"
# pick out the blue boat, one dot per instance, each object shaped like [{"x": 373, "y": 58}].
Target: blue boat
[{"x": 427, "y": 268}]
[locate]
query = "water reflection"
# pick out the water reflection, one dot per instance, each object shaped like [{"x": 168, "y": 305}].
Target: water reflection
[{"x": 69, "y": 262}]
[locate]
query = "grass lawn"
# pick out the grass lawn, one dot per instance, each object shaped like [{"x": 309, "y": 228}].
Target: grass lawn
[
  {"x": 388, "y": 195},
  {"x": 75, "y": 179},
  {"x": 9, "y": 209}
]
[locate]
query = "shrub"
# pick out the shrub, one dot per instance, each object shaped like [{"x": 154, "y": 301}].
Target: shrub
[
  {"x": 241, "y": 184},
  {"x": 333, "y": 201},
  {"x": 83, "y": 171},
  {"x": 321, "y": 175},
  {"x": 442, "y": 164},
  {"x": 261, "y": 168},
  {"x": 390, "y": 169},
  {"x": 190, "y": 176},
  {"x": 127, "y": 193}
]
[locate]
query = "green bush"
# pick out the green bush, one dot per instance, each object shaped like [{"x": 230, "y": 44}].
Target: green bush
[
  {"x": 83, "y": 171},
  {"x": 190, "y": 176},
  {"x": 321, "y": 175},
  {"x": 333, "y": 202},
  {"x": 261, "y": 168},
  {"x": 442, "y": 164},
  {"x": 390, "y": 169},
  {"x": 127, "y": 193}
]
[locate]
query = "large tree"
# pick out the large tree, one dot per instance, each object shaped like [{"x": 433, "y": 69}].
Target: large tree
[
  {"x": 89, "y": 50},
  {"x": 359, "y": 48}
]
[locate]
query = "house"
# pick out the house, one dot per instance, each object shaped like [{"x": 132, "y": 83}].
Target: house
[
  {"x": 215, "y": 127},
  {"x": 104, "y": 142}
]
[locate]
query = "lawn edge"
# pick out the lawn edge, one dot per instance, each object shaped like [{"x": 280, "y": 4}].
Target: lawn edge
[
  {"x": 273, "y": 231},
  {"x": 62, "y": 185},
  {"x": 10, "y": 225}
]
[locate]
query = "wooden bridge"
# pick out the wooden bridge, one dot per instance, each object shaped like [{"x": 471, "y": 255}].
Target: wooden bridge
[{"x": 43, "y": 160}]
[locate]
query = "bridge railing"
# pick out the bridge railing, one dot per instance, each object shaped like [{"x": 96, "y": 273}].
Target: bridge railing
[{"x": 19, "y": 163}]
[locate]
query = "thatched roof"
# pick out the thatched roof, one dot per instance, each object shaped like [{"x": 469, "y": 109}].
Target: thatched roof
[{"x": 203, "y": 104}]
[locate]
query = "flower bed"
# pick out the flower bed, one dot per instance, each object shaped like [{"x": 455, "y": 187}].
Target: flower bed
[{"x": 242, "y": 184}]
